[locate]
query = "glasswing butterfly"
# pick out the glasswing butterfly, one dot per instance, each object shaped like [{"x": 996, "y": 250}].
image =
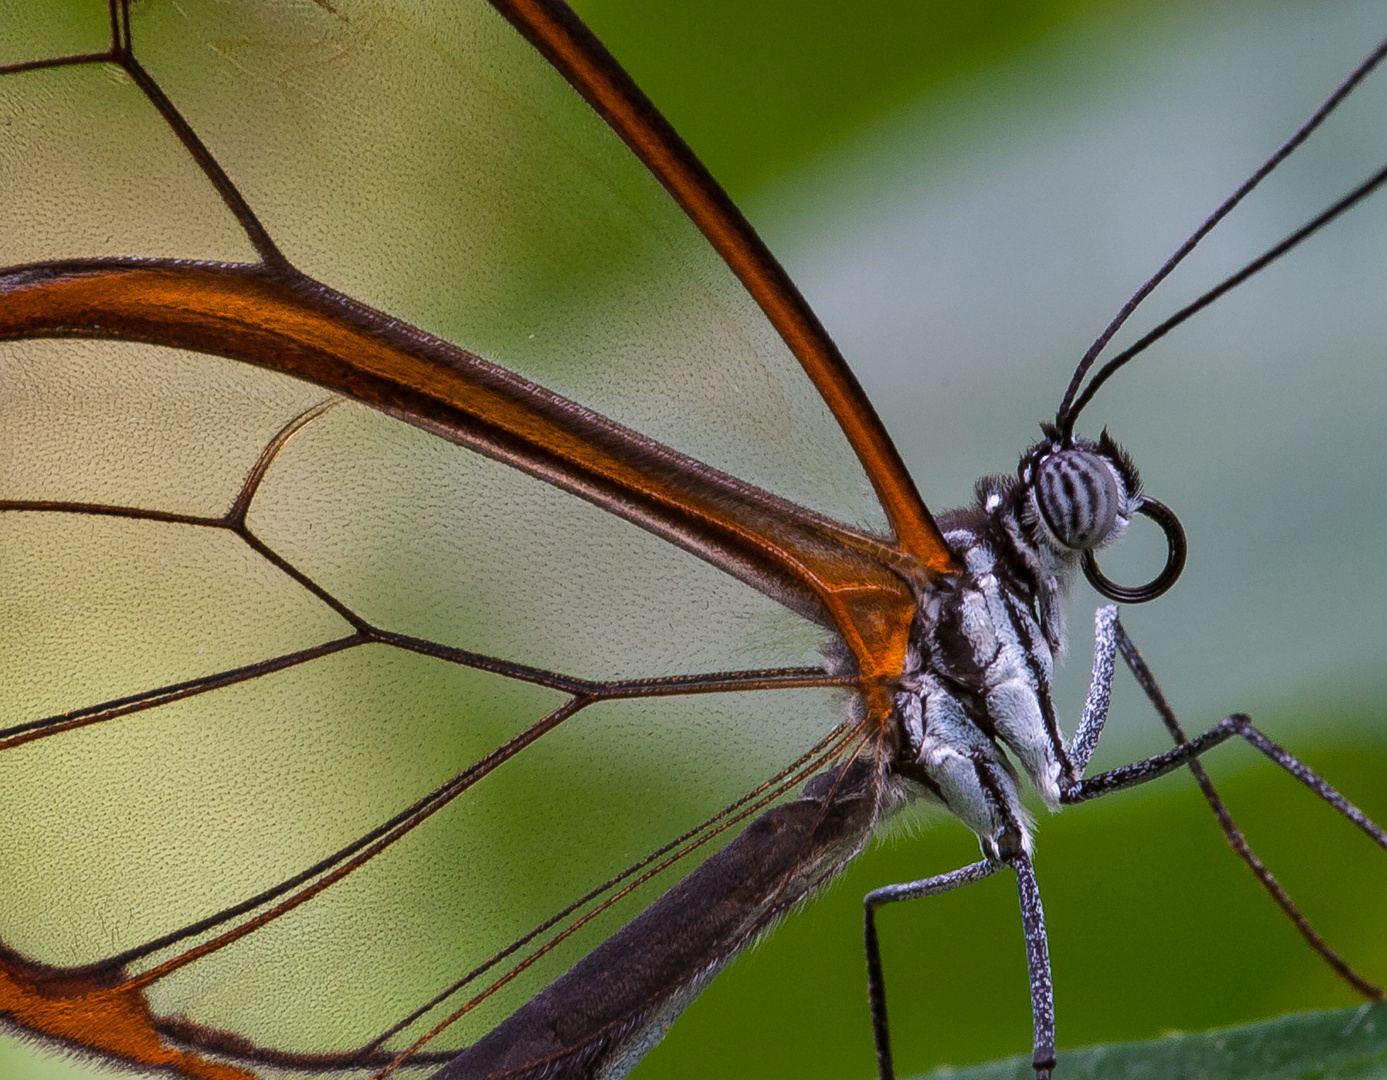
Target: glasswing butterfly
[{"x": 279, "y": 480}]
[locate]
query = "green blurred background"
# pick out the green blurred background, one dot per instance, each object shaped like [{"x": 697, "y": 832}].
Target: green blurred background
[{"x": 966, "y": 191}]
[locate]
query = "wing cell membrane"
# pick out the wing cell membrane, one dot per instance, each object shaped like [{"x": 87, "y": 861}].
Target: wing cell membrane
[{"x": 399, "y": 610}]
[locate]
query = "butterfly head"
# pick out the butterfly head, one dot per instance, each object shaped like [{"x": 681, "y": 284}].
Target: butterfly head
[{"x": 1081, "y": 495}]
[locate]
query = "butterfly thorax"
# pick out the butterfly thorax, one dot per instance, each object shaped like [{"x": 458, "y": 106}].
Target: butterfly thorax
[{"x": 986, "y": 639}]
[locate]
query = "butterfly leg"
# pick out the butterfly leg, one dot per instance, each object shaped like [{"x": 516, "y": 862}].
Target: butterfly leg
[
  {"x": 1234, "y": 835},
  {"x": 876, "y": 984},
  {"x": 1037, "y": 953},
  {"x": 1105, "y": 631},
  {"x": 1038, "y": 965},
  {"x": 1186, "y": 753},
  {"x": 1108, "y": 639},
  {"x": 965, "y": 769}
]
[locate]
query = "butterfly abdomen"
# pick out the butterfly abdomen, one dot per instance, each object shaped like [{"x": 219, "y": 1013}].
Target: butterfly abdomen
[{"x": 601, "y": 1017}]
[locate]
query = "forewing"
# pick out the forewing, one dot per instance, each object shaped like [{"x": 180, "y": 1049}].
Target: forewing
[
  {"x": 430, "y": 164},
  {"x": 268, "y": 656}
]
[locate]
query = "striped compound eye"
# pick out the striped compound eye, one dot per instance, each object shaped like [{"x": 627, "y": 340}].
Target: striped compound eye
[{"x": 1079, "y": 496}]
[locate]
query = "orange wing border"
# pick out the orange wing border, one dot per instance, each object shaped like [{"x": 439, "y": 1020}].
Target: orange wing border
[
  {"x": 271, "y": 315},
  {"x": 281, "y": 320},
  {"x": 576, "y": 53}
]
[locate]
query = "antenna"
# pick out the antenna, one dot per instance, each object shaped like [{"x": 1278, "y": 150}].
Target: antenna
[{"x": 1069, "y": 408}]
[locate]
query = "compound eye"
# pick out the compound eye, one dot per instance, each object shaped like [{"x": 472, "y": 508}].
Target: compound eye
[{"x": 1079, "y": 498}]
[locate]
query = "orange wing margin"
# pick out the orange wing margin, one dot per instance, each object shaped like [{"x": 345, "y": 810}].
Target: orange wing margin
[
  {"x": 273, "y": 316},
  {"x": 557, "y": 32},
  {"x": 287, "y": 322}
]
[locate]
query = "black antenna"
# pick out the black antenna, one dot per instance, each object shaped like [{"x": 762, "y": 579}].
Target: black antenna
[
  {"x": 1069, "y": 409},
  {"x": 1314, "y": 225}
]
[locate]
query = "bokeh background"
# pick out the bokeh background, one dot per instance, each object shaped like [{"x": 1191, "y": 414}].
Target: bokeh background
[{"x": 966, "y": 192}]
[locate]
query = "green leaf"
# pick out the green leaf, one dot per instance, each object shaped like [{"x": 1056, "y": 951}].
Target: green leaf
[{"x": 1341, "y": 1044}]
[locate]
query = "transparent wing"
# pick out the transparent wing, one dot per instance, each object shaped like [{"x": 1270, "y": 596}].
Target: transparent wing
[
  {"x": 430, "y": 164},
  {"x": 317, "y": 726}
]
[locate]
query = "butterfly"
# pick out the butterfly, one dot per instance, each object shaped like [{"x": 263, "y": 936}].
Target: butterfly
[{"x": 297, "y": 82}]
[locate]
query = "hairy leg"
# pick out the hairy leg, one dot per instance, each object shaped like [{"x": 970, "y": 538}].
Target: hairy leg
[
  {"x": 1234, "y": 835},
  {"x": 1037, "y": 953},
  {"x": 891, "y": 894},
  {"x": 1110, "y": 636}
]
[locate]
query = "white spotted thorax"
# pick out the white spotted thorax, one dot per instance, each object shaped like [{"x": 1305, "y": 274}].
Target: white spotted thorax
[{"x": 985, "y": 640}]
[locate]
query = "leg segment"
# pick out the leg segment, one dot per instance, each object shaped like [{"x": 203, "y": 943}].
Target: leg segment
[
  {"x": 890, "y": 894},
  {"x": 1038, "y": 964},
  {"x": 1105, "y": 631},
  {"x": 1140, "y": 772},
  {"x": 1110, "y": 633},
  {"x": 1037, "y": 953},
  {"x": 1234, "y": 835}
]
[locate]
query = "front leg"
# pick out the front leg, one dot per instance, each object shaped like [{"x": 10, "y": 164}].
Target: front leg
[
  {"x": 1110, "y": 634},
  {"x": 1105, "y": 631}
]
